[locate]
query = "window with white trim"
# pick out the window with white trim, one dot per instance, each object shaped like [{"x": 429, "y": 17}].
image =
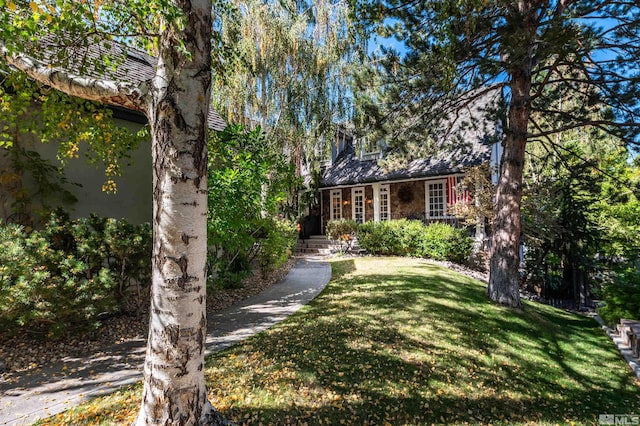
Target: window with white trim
[
  {"x": 435, "y": 199},
  {"x": 367, "y": 147},
  {"x": 357, "y": 199},
  {"x": 385, "y": 204},
  {"x": 336, "y": 204}
]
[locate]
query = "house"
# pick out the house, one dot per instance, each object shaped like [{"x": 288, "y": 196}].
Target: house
[
  {"x": 355, "y": 186},
  {"x": 133, "y": 199}
]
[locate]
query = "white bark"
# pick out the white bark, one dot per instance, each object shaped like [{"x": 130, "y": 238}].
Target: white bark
[
  {"x": 175, "y": 391},
  {"x": 176, "y": 103},
  {"x": 124, "y": 94}
]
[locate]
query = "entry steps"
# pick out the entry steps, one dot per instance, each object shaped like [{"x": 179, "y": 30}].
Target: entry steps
[{"x": 320, "y": 244}]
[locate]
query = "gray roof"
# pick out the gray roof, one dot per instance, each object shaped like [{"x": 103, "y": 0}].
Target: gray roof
[
  {"x": 349, "y": 170},
  {"x": 464, "y": 142},
  {"x": 137, "y": 65}
]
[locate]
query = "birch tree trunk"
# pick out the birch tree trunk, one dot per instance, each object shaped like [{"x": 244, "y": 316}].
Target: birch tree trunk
[
  {"x": 176, "y": 103},
  {"x": 175, "y": 392}
]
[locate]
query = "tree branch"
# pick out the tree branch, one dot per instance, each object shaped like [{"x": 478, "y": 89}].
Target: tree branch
[
  {"x": 600, "y": 124},
  {"x": 124, "y": 94}
]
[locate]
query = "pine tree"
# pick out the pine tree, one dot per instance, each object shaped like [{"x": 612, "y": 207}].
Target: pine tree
[{"x": 538, "y": 52}]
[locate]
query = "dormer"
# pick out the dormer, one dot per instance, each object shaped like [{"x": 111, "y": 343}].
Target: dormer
[{"x": 368, "y": 148}]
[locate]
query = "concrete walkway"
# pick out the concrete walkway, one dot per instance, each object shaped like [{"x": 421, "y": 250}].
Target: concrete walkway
[{"x": 40, "y": 393}]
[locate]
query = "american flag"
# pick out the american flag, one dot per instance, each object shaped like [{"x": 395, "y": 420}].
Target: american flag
[{"x": 453, "y": 195}]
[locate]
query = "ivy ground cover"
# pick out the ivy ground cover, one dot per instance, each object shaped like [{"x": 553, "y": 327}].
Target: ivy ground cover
[{"x": 401, "y": 341}]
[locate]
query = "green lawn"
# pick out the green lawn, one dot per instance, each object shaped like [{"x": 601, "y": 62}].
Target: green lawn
[{"x": 400, "y": 341}]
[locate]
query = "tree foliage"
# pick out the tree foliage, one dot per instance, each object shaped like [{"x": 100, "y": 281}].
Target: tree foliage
[
  {"x": 248, "y": 182},
  {"x": 30, "y": 114},
  {"x": 539, "y": 52},
  {"x": 560, "y": 227},
  {"x": 287, "y": 69},
  {"x": 621, "y": 294},
  {"x": 581, "y": 216}
]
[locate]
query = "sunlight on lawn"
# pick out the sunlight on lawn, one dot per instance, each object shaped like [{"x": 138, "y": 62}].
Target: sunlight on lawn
[{"x": 401, "y": 341}]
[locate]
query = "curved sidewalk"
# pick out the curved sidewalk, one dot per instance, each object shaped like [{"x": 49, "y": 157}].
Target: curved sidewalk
[{"x": 46, "y": 391}]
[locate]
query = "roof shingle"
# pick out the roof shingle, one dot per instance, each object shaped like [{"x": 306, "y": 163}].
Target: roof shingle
[
  {"x": 137, "y": 66},
  {"x": 467, "y": 143}
]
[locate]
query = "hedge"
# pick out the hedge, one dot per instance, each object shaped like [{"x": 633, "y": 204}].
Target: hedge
[{"x": 404, "y": 237}]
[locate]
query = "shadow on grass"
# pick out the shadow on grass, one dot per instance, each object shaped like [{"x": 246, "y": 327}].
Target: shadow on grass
[
  {"x": 415, "y": 410},
  {"x": 422, "y": 345}
]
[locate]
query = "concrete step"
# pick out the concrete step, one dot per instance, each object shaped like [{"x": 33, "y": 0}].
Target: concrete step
[
  {"x": 318, "y": 237},
  {"x": 322, "y": 244},
  {"x": 319, "y": 244},
  {"x": 325, "y": 251},
  {"x": 316, "y": 244}
]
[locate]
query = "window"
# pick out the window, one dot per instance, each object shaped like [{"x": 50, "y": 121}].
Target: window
[
  {"x": 336, "y": 204},
  {"x": 368, "y": 148},
  {"x": 385, "y": 205},
  {"x": 436, "y": 198},
  {"x": 357, "y": 197}
]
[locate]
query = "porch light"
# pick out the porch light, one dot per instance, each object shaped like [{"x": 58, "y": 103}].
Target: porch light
[{"x": 346, "y": 202}]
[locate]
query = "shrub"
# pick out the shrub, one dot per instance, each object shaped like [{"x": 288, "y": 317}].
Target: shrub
[
  {"x": 277, "y": 244},
  {"x": 410, "y": 233},
  {"x": 372, "y": 237},
  {"x": 246, "y": 179},
  {"x": 383, "y": 238},
  {"x": 343, "y": 231},
  {"x": 70, "y": 272},
  {"x": 441, "y": 241},
  {"x": 621, "y": 295},
  {"x": 339, "y": 229},
  {"x": 404, "y": 237},
  {"x": 269, "y": 242}
]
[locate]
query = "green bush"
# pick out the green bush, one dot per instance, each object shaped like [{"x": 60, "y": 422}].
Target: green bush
[
  {"x": 70, "y": 272},
  {"x": 341, "y": 230},
  {"x": 387, "y": 238},
  {"x": 277, "y": 245},
  {"x": 410, "y": 233},
  {"x": 372, "y": 238},
  {"x": 267, "y": 241},
  {"x": 441, "y": 241},
  {"x": 412, "y": 238},
  {"x": 391, "y": 238},
  {"x": 621, "y": 296},
  {"x": 247, "y": 179}
]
